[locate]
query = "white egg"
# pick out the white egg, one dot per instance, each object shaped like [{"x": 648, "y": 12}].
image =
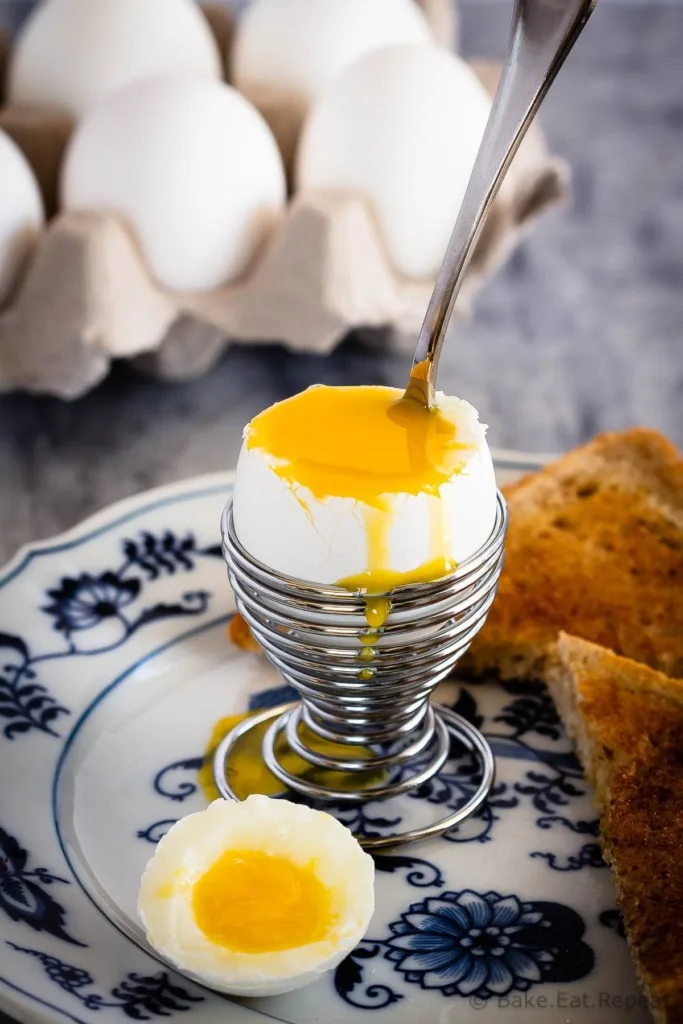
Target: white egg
[
  {"x": 254, "y": 876},
  {"x": 296, "y": 46},
  {"x": 192, "y": 166},
  {"x": 402, "y": 126},
  {"x": 327, "y": 539},
  {"x": 72, "y": 53},
  {"x": 21, "y": 214}
]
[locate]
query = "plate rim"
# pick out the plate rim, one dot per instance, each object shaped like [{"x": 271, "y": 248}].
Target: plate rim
[
  {"x": 118, "y": 511},
  {"x": 112, "y": 515}
]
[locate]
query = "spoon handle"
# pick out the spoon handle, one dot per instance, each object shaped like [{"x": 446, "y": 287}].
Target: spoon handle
[{"x": 543, "y": 33}]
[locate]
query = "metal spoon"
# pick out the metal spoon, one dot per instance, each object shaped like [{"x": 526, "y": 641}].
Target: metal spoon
[{"x": 543, "y": 33}]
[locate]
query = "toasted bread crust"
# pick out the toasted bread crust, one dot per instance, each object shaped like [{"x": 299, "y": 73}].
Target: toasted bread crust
[
  {"x": 627, "y": 721},
  {"x": 595, "y": 548},
  {"x": 241, "y": 635}
]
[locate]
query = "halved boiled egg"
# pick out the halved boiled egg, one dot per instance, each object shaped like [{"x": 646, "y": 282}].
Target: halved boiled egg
[{"x": 257, "y": 898}]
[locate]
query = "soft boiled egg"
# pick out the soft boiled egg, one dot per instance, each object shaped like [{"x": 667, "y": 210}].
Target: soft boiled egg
[
  {"x": 354, "y": 487},
  {"x": 257, "y": 898},
  {"x": 402, "y": 127},
  {"x": 21, "y": 214},
  {"x": 72, "y": 53},
  {"x": 192, "y": 167}
]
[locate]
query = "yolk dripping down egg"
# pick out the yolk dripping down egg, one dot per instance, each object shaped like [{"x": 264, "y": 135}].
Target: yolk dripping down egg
[
  {"x": 351, "y": 486},
  {"x": 257, "y": 898}
]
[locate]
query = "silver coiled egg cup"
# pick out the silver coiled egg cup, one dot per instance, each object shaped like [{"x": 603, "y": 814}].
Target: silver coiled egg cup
[{"x": 378, "y": 702}]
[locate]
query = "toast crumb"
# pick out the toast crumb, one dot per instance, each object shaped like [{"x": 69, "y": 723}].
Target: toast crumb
[
  {"x": 595, "y": 548},
  {"x": 627, "y": 722},
  {"x": 242, "y": 637}
]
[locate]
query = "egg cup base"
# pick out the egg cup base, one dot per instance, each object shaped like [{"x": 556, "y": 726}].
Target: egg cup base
[{"x": 448, "y": 725}]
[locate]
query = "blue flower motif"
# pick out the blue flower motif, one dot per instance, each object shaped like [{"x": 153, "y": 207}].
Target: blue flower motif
[
  {"x": 466, "y": 943},
  {"x": 67, "y": 976},
  {"x": 471, "y": 944},
  {"x": 138, "y": 996},
  {"x": 85, "y": 602},
  {"x": 22, "y": 891}
]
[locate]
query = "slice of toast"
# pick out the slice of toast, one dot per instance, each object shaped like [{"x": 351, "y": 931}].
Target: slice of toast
[
  {"x": 595, "y": 548},
  {"x": 627, "y": 722}
]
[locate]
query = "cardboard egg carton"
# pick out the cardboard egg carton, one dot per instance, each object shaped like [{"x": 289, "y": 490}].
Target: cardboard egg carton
[{"x": 87, "y": 296}]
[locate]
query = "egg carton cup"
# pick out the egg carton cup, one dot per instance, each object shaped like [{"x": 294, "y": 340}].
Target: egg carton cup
[{"x": 87, "y": 296}]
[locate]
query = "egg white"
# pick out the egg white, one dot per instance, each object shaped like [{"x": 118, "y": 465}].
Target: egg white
[
  {"x": 70, "y": 54},
  {"x": 296, "y": 46},
  {"x": 324, "y": 541},
  {"x": 193, "y": 168},
  {"x": 21, "y": 214},
  {"x": 276, "y": 827},
  {"x": 402, "y": 127}
]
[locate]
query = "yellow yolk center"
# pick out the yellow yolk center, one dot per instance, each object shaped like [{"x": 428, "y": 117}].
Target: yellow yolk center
[
  {"x": 358, "y": 442},
  {"x": 365, "y": 444},
  {"x": 252, "y": 902}
]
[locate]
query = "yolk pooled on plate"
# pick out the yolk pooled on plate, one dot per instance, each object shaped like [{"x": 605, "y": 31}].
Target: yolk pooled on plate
[
  {"x": 363, "y": 444},
  {"x": 250, "y": 901},
  {"x": 248, "y": 773}
]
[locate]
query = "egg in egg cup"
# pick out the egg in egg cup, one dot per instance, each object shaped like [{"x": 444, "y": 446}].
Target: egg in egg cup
[{"x": 412, "y": 529}]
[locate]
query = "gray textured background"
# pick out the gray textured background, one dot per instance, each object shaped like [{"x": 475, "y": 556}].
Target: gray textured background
[{"x": 580, "y": 332}]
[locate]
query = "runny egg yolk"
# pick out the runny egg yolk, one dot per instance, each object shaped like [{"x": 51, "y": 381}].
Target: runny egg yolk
[
  {"x": 250, "y": 901},
  {"x": 365, "y": 444}
]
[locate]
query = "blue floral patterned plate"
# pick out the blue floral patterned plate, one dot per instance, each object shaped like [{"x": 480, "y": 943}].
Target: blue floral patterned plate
[{"x": 114, "y": 668}]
